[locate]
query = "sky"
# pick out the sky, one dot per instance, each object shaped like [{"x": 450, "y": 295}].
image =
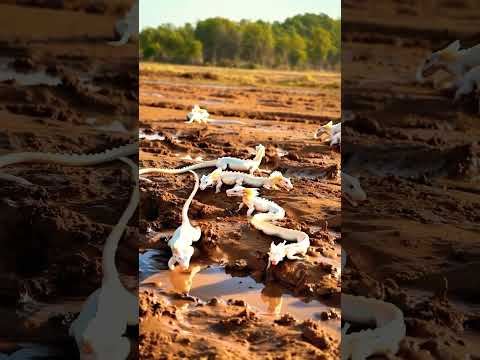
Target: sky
[{"x": 179, "y": 12}]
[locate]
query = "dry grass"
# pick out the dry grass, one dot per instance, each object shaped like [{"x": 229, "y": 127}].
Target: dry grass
[{"x": 256, "y": 77}]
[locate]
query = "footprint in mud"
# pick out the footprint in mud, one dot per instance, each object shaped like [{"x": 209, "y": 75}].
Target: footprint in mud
[{"x": 307, "y": 172}]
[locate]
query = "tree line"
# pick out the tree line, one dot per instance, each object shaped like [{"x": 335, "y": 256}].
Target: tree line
[{"x": 299, "y": 42}]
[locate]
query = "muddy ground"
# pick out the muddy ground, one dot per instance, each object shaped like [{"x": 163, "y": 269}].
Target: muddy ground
[
  {"x": 62, "y": 90},
  {"x": 227, "y": 305},
  {"x": 415, "y": 241}
]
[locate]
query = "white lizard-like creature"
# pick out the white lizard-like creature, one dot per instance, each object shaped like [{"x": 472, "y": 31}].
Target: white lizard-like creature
[
  {"x": 198, "y": 115},
  {"x": 333, "y": 131},
  {"x": 263, "y": 221},
  {"x": 451, "y": 59},
  {"x": 218, "y": 177},
  {"x": 62, "y": 159},
  {"x": 352, "y": 190},
  {"x": 185, "y": 235},
  {"x": 223, "y": 163},
  {"x": 384, "y": 339},
  {"x": 127, "y": 27},
  {"x": 468, "y": 84},
  {"x": 100, "y": 327}
]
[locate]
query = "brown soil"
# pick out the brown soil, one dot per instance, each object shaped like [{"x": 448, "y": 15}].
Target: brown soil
[
  {"x": 285, "y": 127},
  {"x": 57, "y": 75},
  {"x": 414, "y": 242}
]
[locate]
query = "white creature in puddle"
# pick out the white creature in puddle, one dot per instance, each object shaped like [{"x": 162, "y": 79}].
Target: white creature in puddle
[
  {"x": 185, "y": 235},
  {"x": 198, "y": 115}
]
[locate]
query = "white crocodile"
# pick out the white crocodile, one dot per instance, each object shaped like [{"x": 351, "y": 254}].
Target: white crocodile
[
  {"x": 352, "y": 190},
  {"x": 198, "y": 115},
  {"x": 383, "y": 340},
  {"x": 333, "y": 132},
  {"x": 127, "y": 27},
  {"x": 218, "y": 177},
  {"x": 223, "y": 163},
  {"x": 100, "y": 327},
  {"x": 63, "y": 159},
  {"x": 185, "y": 235},
  {"x": 451, "y": 59},
  {"x": 263, "y": 221},
  {"x": 468, "y": 84}
]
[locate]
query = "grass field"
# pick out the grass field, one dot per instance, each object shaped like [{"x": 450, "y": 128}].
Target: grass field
[{"x": 253, "y": 77}]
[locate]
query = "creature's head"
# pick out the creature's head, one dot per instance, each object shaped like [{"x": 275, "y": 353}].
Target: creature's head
[
  {"x": 324, "y": 129},
  {"x": 195, "y": 108},
  {"x": 277, "y": 179},
  {"x": 210, "y": 179},
  {"x": 260, "y": 152},
  {"x": 182, "y": 257},
  {"x": 246, "y": 193},
  {"x": 352, "y": 190},
  {"x": 277, "y": 253},
  {"x": 237, "y": 190},
  {"x": 439, "y": 60}
]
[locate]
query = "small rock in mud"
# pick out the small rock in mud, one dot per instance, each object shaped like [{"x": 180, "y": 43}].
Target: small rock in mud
[
  {"x": 286, "y": 319},
  {"x": 313, "y": 333}
]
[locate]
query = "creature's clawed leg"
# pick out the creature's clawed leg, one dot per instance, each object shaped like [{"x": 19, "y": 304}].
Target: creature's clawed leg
[
  {"x": 250, "y": 211},
  {"x": 172, "y": 262},
  {"x": 241, "y": 206},
  {"x": 219, "y": 186}
]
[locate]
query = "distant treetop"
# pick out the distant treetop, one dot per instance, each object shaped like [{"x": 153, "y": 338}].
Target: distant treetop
[{"x": 302, "y": 41}]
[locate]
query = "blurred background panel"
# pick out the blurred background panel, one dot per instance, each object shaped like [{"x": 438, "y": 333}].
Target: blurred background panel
[
  {"x": 65, "y": 90},
  {"x": 414, "y": 241}
]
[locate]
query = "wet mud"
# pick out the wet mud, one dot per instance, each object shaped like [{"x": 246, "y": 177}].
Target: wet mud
[
  {"x": 228, "y": 305},
  {"x": 414, "y": 242},
  {"x": 61, "y": 92}
]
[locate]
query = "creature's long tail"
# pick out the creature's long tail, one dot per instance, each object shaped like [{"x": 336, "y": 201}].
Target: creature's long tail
[
  {"x": 386, "y": 337},
  {"x": 205, "y": 164},
  {"x": 190, "y": 198},
  {"x": 67, "y": 159},
  {"x": 263, "y": 223},
  {"x": 110, "y": 272}
]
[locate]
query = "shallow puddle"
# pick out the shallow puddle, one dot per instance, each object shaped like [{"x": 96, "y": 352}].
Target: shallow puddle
[
  {"x": 150, "y": 137},
  {"x": 29, "y": 79},
  {"x": 207, "y": 282}
]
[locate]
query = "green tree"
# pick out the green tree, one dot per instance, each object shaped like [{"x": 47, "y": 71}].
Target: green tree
[
  {"x": 220, "y": 38},
  {"x": 257, "y": 43},
  {"x": 320, "y": 47}
]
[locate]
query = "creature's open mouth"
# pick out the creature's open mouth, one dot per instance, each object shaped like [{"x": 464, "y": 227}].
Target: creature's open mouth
[
  {"x": 350, "y": 200},
  {"x": 430, "y": 70}
]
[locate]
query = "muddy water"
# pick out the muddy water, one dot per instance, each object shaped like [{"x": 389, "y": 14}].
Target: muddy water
[
  {"x": 30, "y": 79},
  {"x": 207, "y": 282}
]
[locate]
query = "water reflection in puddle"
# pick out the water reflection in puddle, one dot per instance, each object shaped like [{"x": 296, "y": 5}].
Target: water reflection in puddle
[
  {"x": 210, "y": 282},
  {"x": 142, "y": 135},
  {"x": 29, "y": 79}
]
